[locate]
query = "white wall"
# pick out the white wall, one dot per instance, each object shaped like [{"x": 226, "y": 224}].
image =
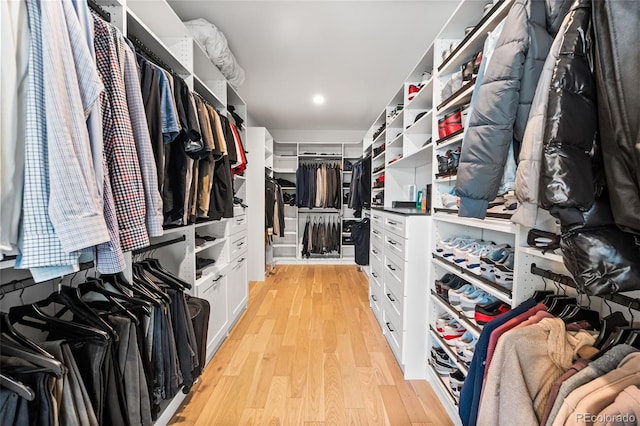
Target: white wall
[{"x": 319, "y": 136}]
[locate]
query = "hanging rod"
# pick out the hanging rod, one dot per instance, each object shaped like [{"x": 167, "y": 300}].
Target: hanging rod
[
  {"x": 618, "y": 298},
  {"x": 160, "y": 245},
  {"x": 98, "y": 10},
  {"x": 21, "y": 283},
  {"x": 148, "y": 53}
]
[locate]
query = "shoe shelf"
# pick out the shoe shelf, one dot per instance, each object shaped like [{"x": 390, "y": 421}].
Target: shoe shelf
[
  {"x": 451, "y": 139},
  {"x": 461, "y": 97},
  {"x": 452, "y": 354},
  {"x": 422, "y": 126},
  {"x": 474, "y": 40},
  {"x": 397, "y": 142},
  {"x": 377, "y": 189},
  {"x": 500, "y": 225},
  {"x": 396, "y": 122},
  {"x": 419, "y": 158},
  {"x": 208, "y": 245},
  {"x": 471, "y": 326},
  {"x": 442, "y": 382},
  {"x": 379, "y": 156},
  {"x": 423, "y": 99},
  {"x": 448, "y": 179},
  {"x": 476, "y": 280},
  {"x": 380, "y": 137},
  {"x": 538, "y": 253},
  {"x": 378, "y": 173}
]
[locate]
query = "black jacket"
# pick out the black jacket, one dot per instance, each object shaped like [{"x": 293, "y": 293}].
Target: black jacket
[
  {"x": 616, "y": 24},
  {"x": 568, "y": 176},
  {"x": 601, "y": 258}
]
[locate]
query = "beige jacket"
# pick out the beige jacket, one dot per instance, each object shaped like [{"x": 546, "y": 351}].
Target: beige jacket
[
  {"x": 596, "y": 395},
  {"x": 624, "y": 411},
  {"x": 524, "y": 366}
]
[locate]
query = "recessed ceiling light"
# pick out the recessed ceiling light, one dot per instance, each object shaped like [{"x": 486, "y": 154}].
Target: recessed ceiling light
[{"x": 318, "y": 99}]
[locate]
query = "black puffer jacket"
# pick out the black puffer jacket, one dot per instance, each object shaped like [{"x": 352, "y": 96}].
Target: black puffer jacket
[
  {"x": 616, "y": 24},
  {"x": 601, "y": 258},
  {"x": 567, "y": 184}
]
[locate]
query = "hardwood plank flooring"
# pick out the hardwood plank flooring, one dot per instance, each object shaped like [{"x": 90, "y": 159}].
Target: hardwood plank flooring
[{"x": 308, "y": 351}]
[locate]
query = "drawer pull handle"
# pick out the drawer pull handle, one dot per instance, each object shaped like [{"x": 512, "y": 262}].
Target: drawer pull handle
[
  {"x": 241, "y": 260},
  {"x": 240, "y": 244},
  {"x": 376, "y": 232},
  {"x": 392, "y": 223},
  {"x": 374, "y": 251},
  {"x": 389, "y": 327},
  {"x": 373, "y": 297},
  {"x": 390, "y": 298},
  {"x": 374, "y": 275},
  {"x": 391, "y": 267},
  {"x": 219, "y": 278},
  {"x": 393, "y": 243}
]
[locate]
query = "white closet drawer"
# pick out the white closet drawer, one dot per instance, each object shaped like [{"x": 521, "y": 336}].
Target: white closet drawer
[
  {"x": 377, "y": 251},
  {"x": 393, "y": 332},
  {"x": 238, "y": 245},
  {"x": 377, "y": 219},
  {"x": 395, "y": 302},
  {"x": 395, "y": 224},
  {"x": 395, "y": 245},
  {"x": 393, "y": 282},
  {"x": 377, "y": 237},
  {"x": 395, "y": 266},
  {"x": 376, "y": 305},
  {"x": 377, "y": 277},
  {"x": 238, "y": 224}
]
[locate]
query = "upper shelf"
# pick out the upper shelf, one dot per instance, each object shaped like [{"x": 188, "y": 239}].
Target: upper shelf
[
  {"x": 205, "y": 91},
  {"x": 422, "y": 126},
  {"x": 165, "y": 48},
  {"x": 423, "y": 99},
  {"x": 474, "y": 40},
  {"x": 457, "y": 99},
  {"x": 421, "y": 157},
  {"x": 499, "y": 225}
]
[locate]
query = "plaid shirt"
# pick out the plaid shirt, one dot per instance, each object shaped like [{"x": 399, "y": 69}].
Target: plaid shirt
[
  {"x": 119, "y": 146},
  {"x": 41, "y": 249},
  {"x": 140, "y": 129}
]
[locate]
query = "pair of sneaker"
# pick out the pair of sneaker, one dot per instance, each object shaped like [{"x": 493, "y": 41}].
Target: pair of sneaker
[
  {"x": 442, "y": 363},
  {"x": 466, "y": 255},
  {"x": 486, "y": 312},
  {"x": 450, "y": 329},
  {"x": 498, "y": 266},
  {"x": 465, "y": 347},
  {"x": 450, "y": 244},
  {"x": 469, "y": 301},
  {"x": 448, "y": 282},
  {"x": 456, "y": 380}
]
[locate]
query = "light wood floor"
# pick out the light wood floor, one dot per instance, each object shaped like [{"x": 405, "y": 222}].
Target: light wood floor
[{"x": 308, "y": 351}]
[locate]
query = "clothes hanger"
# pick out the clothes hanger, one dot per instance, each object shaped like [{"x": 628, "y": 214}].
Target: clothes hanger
[
  {"x": 581, "y": 313},
  {"x": 609, "y": 324},
  {"x": 26, "y": 314},
  {"x": 9, "y": 330},
  {"x": 538, "y": 295},
  {"x": 70, "y": 299},
  {"x": 19, "y": 388},
  {"x": 93, "y": 287},
  {"x": 52, "y": 365}
]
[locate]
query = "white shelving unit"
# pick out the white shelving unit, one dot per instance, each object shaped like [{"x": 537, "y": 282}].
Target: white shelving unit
[{"x": 287, "y": 156}]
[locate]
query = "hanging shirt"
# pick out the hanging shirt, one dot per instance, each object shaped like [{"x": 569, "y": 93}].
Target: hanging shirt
[
  {"x": 58, "y": 162},
  {"x": 14, "y": 30},
  {"x": 146, "y": 161},
  {"x": 119, "y": 146}
]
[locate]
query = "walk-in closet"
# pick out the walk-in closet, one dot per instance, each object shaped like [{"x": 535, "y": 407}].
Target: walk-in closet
[{"x": 319, "y": 212}]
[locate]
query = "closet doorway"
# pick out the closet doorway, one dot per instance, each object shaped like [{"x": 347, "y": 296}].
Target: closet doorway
[{"x": 308, "y": 350}]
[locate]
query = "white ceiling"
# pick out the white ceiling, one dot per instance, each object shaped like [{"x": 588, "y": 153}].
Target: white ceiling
[{"x": 355, "y": 53}]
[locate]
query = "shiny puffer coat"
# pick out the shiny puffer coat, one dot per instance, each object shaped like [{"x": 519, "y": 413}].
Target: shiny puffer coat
[
  {"x": 616, "y": 24},
  {"x": 602, "y": 258},
  {"x": 567, "y": 182},
  {"x": 504, "y": 100}
]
